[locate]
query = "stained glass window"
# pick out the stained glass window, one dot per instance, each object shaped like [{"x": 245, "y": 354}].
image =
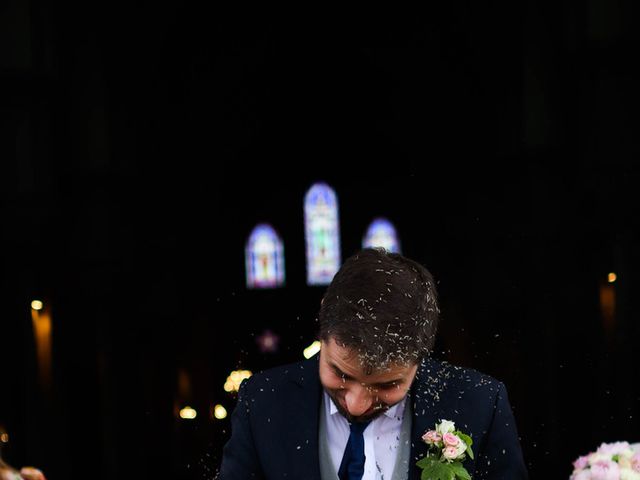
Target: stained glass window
[
  {"x": 322, "y": 234},
  {"x": 264, "y": 258},
  {"x": 382, "y": 233}
]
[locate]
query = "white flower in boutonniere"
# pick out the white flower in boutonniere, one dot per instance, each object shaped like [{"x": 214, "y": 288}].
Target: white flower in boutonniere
[{"x": 448, "y": 448}]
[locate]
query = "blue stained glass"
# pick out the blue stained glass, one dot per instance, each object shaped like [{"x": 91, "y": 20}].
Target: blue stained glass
[
  {"x": 322, "y": 234},
  {"x": 264, "y": 258},
  {"x": 382, "y": 233}
]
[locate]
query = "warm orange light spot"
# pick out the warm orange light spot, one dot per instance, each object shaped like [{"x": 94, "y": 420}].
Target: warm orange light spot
[
  {"x": 41, "y": 319},
  {"x": 188, "y": 413},
  {"x": 608, "y": 305},
  {"x": 235, "y": 379},
  {"x": 311, "y": 350},
  {"x": 219, "y": 412}
]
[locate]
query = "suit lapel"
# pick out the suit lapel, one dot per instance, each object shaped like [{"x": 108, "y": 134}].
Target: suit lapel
[
  {"x": 426, "y": 410},
  {"x": 302, "y": 408}
]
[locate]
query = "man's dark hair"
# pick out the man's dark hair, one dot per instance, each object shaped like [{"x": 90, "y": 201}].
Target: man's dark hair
[{"x": 383, "y": 306}]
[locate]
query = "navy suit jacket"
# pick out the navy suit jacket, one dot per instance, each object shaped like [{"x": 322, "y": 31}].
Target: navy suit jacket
[{"x": 274, "y": 427}]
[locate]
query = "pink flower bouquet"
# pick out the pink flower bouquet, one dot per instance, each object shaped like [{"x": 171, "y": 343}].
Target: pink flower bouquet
[
  {"x": 448, "y": 448},
  {"x": 611, "y": 461}
]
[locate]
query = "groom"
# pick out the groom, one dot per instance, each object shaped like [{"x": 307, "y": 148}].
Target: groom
[{"x": 359, "y": 409}]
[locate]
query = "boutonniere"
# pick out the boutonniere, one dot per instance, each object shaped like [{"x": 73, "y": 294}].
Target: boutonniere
[{"x": 448, "y": 448}]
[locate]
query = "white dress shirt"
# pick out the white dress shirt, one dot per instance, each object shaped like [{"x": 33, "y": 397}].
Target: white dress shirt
[{"x": 381, "y": 439}]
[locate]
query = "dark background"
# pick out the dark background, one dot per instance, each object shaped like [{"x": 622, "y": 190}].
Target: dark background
[{"x": 140, "y": 144}]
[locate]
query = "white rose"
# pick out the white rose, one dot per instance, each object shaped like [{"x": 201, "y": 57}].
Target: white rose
[
  {"x": 626, "y": 474},
  {"x": 461, "y": 448},
  {"x": 628, "y": 453},
  {"x": 624, "y": 462},
  {"x": 598, "y": 457},
  {"x": 445, "y": 426}
]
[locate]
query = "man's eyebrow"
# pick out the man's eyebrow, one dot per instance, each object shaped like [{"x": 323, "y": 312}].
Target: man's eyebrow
[
  {"x": 390, "y": 382},
  {"x": 340, "y": 373}
]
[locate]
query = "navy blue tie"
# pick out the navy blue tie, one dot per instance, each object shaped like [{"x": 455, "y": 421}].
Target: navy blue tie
[{"x": 352, "y": 465}]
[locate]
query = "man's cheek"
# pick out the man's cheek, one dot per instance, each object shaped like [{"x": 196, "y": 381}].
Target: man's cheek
[{"x": 338, "y": 395}]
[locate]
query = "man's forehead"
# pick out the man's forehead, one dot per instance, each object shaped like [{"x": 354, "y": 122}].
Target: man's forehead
[{"x": 344, "y": 357}]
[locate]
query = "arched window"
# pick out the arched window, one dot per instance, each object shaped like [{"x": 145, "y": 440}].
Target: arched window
[
  {"x": 382, "y": 233},
  {"x": 264, "y": 258},
  {"x": 322, "y": 234}
]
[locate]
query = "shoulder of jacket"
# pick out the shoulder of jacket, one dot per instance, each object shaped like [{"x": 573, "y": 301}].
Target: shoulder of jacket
[
  {"x": 436, "y": 371},
  {"x": 280, "y": 374}
]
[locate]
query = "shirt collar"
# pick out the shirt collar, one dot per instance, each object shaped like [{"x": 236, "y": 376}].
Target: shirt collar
[{"x": 391, "y": 412}]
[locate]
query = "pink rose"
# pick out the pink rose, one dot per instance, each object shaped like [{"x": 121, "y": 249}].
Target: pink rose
[
  {"x": 450, "y": 453},
  {"x": 581, "y": 462},
  {"x": 431, "y": 437},
  {"x": 635, "y": 462},
  {"x": 450, "y": 440},
  {"x": 615, "y": 448},
  {"x": 605, "y": 470},
  {"x": 583, "y": 475}
]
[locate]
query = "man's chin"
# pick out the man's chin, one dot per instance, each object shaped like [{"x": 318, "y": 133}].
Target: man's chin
[
  {"x": 370, "y": 415},
  {"x": 367, "y": 417}
]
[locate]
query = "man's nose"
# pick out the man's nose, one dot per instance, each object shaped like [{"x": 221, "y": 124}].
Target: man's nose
[{"x": 358, "y": 400}]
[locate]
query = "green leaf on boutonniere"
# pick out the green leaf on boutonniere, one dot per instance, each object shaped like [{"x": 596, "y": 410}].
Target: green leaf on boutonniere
[
  {"x": 468, "y": 440},
  {"x": 427, "y": 462},
  {"x": 434, "y": 469},
  {"x": 438, "y": 471},
  {"x": 459, "y": 471}
]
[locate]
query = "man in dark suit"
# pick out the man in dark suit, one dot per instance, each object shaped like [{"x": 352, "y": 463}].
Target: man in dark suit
[{"x": 359, "y": 408}]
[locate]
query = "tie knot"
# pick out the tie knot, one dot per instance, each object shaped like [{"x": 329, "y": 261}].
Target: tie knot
[{"x": 359, "y": 427}]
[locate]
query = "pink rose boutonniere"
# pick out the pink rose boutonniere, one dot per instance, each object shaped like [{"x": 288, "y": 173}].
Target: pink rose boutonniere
[{"x": 448, "y": 448}]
